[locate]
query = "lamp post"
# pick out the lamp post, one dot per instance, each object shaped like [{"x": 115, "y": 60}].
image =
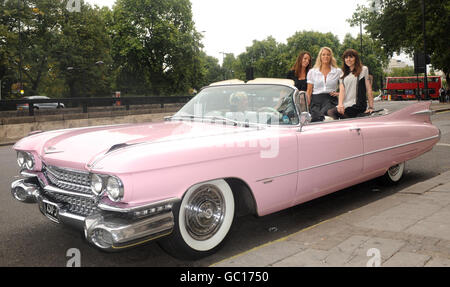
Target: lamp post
[
  {"x": 223, "y": 60},
  {"x": 20, "y": 46},
  {"x": 424, "y": 51},
  {"x": 360, "y": 36},
  {"x": 71, "y": 69}
]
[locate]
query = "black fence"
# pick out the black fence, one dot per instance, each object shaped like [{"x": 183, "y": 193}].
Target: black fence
[{"x": 91, "y": 102}]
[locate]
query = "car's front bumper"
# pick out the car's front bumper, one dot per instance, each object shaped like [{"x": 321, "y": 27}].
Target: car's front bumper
[{"x": 107, "y": 230}]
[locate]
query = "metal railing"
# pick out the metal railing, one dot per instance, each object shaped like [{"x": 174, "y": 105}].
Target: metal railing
[{"x": 94, "y": 102}]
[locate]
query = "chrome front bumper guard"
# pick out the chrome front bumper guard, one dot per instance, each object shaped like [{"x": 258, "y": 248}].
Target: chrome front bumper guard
[{"x": 109, "y": 231}]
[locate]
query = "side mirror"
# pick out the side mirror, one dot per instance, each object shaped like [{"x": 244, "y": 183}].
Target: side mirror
[{"x": 305, "y": 118}]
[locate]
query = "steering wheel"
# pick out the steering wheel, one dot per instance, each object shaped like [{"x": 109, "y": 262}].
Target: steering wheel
[{"x": 271, "y": 110}]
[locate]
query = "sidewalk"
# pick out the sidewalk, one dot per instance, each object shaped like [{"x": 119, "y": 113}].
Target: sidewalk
[
  {"x": 440, "y": 107},
  {"x": 408, "y": 228}
]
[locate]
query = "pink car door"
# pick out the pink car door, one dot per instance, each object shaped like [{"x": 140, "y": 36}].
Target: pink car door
[{"x": 330, "y": 158}]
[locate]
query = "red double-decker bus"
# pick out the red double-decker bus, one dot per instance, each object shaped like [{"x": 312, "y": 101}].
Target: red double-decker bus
[{"x": 407, "y": 88}]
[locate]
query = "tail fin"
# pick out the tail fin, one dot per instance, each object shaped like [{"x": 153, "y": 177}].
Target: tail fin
[{"x": 419, "y": 112}]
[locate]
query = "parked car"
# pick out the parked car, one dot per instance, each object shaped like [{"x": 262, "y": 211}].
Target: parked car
[
  {"x": 235, "y": 148},
  {"x": 38, "y": 106}
]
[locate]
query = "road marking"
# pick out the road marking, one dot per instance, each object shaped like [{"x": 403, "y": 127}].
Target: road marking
[{"x": 443, "y": 144}]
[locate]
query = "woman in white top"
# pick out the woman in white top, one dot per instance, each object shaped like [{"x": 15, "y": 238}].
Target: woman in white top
[
  {"x": 354, "y": 88},
  {"x": 322, "y": 84}
]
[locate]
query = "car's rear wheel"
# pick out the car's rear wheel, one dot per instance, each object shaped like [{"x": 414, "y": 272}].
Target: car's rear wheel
[
  {"x": 202, "y": 220},
  {"x": 394, "y": 174}
]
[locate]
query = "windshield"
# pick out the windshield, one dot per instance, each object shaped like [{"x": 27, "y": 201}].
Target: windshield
[{"x": 263, "y": 104}]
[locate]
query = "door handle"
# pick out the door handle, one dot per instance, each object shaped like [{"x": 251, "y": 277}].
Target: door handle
[{"x": 358, "y": 130}]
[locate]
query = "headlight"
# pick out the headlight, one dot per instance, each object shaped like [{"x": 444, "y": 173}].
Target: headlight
[
  {"x": 21, "y": 158},
  {"x": 25, "y": 160},
  {"x": 29, "y": 163},
  {"x": 114, "y": 188},
  {"x": 96, "y": 184}
]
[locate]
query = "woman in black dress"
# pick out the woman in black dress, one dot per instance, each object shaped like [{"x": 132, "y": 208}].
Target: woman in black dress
[{"x": 300, "y": 70}]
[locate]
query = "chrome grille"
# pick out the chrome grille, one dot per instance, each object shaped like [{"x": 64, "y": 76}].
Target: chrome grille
[
  {"x": 70, "y": 180},
  {"x": 76, "y": 194},
  {"x": 77, "y": 205}
]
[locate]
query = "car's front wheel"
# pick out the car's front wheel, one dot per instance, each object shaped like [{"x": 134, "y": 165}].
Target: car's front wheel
[{"x": 202, "y": 220}]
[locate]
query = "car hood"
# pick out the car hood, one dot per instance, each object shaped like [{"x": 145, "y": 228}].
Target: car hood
[{"x": 79, "y": 148}]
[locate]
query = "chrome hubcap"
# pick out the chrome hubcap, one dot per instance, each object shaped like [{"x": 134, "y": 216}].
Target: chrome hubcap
[
  {"x": 204, "y": 212},
  {"x": 394, "y": 170}
]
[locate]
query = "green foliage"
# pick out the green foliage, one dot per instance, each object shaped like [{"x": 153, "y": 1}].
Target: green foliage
[
  {"x": 156, "y": 40},
  {"x": 398, "y": 27},
  {"x": 52, "y": 39},
  {"x": 312, "y": 42},
  {"x": 266, "y": 57},
  {"x": 83, "y": 52},
  {"x": 147, "y": 47},
  {"x": 402, "y": 72}
]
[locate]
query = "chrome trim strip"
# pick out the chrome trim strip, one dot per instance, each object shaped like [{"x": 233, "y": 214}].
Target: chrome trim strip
[
  {"x": 424, "y": 112},
  {"x": 53, "y": 189},
  {"x": 71, "y": 216},
  {"x": 53, "y": 151},
  {"x": 402, "y": 145},
  {"x": 122, "y": 208},
  {"x": 26, "y": 173},
  {"x": 349, "y": 158},
  {"x": 67, "y": 169}
]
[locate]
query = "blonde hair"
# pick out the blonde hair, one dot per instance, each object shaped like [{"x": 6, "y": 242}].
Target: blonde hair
[{"x": 318, "y": 63}]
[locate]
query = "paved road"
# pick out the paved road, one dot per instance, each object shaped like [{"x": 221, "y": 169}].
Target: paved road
[{"x": 29, "y": 239}]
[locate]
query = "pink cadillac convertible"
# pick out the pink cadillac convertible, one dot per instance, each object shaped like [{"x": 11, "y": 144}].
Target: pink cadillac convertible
[{"x": 235, "y": 148}]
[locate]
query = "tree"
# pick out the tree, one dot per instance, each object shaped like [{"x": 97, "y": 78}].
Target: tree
[
  {"x": 51, "y": 40},
  {"x": 397, "y": 25},
  {"x": 312, "y": 42},
  {"x": 213, "y": 71},
  {"x": 266, "y": 57},
  {"x": 83, "y": 52},
  {"x": 155, "y": 43},
  {"x": 402, "y": 72}
]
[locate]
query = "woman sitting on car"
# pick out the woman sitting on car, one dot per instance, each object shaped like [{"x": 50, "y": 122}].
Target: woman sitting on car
[
  {"x": 300, "y": 70},
  {"x": 354, "y": 88},
  {"x": 322, "y": 84}
]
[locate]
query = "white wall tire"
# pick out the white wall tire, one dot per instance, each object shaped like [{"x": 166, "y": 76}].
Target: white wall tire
[
  {"x": 202, "y": 220},
  {"x": 394, "y": 174}
]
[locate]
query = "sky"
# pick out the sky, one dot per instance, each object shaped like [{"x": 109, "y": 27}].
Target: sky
[{"x": 229, "y": 26}]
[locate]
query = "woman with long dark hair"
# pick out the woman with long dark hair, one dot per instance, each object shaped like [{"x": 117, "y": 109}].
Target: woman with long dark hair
[
  {"x": 355, "y": 88},
  {"x": 300, "y": 70}
]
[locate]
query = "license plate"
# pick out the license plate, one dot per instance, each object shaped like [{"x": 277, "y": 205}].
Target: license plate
[{"x": 51, "y": 211}]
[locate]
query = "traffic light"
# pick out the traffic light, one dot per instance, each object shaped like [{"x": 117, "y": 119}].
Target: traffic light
[
  {"x": 249, "y": 73},
  {"x": 420, "y": 61}
]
